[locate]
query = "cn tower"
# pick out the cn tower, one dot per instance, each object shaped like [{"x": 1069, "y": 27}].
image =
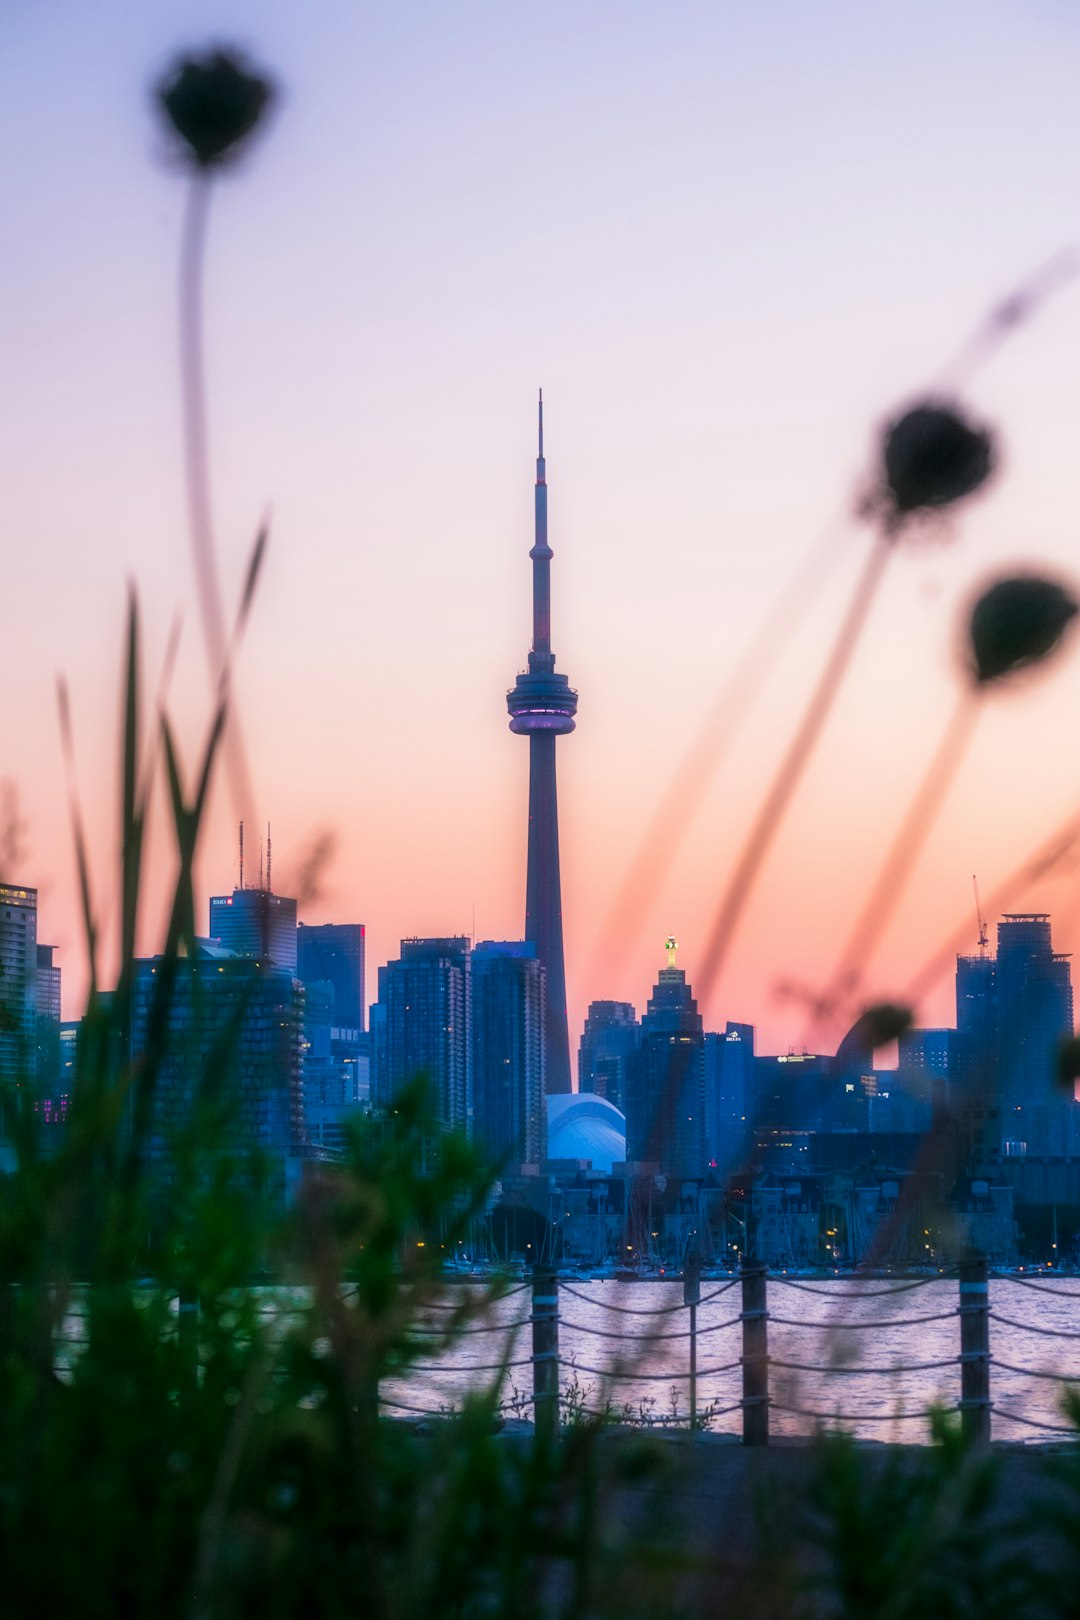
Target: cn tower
[{"x": 542, "y": 706}]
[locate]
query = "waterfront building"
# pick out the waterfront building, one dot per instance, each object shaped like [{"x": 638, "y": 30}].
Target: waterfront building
[
  {"x": 665, "y": 1105},
  {"x": 47, "y": 1019},
  {"x": 1035, "y": 1014},
  {"x": 422, "y": 1030},
  {"x": 508, "y": 1052},
  {"x": 256, "y": 923},
  {"x": 542, "y": 707},
  {"x": 18, "y": 983},
  {"x": 334, "y": 953},
  {"x": 728, "y": 1060},
  {"x": 976, "y": 1024},
  {"x": 1013, "y": 1010},
  {"x": 792, "y": 1097},
  {"x": 612, "y": 1034}
]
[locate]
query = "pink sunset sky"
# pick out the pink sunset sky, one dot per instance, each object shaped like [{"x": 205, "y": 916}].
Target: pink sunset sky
[{"x": 728, "y": 240}]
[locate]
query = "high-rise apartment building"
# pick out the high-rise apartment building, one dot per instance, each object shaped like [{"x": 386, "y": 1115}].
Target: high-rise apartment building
[
  {"x": 611, "y": 1036},
  {"x": 47, "y": 1037},
  {"x": 927, "y": 1051},
  {"x": 422, "y": 1029},
  {"x": 729, "y": 1096},
  {"x": 333, "y": 953},
  {"x": 235, "y": 1024},
  {"x": 256, "y": 923},
  {"x": 665, "y": 1105},
  {"x": 1012, "y": 1012},
  {"x": 18, "y": 983},
  {"x": 507, "y": 1052}
]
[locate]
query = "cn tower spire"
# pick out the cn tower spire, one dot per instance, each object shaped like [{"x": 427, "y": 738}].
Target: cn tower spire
[
  {"x": 542, "y": 706},
  {"x": 541, "y": 657}
]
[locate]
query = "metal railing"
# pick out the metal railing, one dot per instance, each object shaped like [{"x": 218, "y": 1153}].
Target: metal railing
[{"x": 634, "y": 1338}]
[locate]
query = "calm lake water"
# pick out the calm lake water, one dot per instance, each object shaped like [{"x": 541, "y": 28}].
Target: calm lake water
[{"x": 625, "y": 1342}]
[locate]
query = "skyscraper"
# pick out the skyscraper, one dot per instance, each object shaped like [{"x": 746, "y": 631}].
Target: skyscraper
[
  {"x": 665, "y": 1110},
  {"x": 234, "y": 1023},
  {"x": 47, "y": 1039},
  {"x": 508, "y": 1052},
  {"x": 1012, "y": 1012},
  {"x": 334, "y": 952},
  {"x": 542, "y": 706},
  {"x": 729, "y": 1095},
  {"x": 422, "y": 1029},
  {"x": 256, "y": 923},
  {"x": 18, "y": 982},
  {"x": 611, "y": 1036}
]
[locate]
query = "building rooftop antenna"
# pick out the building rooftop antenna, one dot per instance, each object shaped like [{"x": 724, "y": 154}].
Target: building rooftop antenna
[
  {"x": 269, "y": 885},
  {"x": 241, "y": 854}
]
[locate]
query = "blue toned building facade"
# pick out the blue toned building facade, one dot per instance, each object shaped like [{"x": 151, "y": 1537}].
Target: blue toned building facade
[
  {"x": 665, "y": 1105},
  {"x": 611, "y": 1036},
  {"x": 1013, "y": 1010},
  {"x": 728, "y": 1060},
  {"x": 237, "y": 1024},
  {"x": 18, "y": 983},
  {"x": 333, "y": 953},
  {"x": 507, "y": 1056},
  {"x": 422, "y": 1029},
  {"x": 258, "y": 924}
]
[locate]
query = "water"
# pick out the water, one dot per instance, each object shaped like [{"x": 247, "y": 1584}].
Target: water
[{"x": 625, "y": 1344}]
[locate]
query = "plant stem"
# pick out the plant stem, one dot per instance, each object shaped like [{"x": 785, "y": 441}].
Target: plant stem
[
  {"x": 197, "y": 472},
  {"x": 686, "y": 791},
  {"x": 1050, "y": 853},
  {"x": 196, "y": 448},
  {"x": 792, "y": 765},
  {"x": 886, "y": 892}
]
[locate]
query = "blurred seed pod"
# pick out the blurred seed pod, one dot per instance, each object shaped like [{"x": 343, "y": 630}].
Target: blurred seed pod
[
  {"x": 1068, "y": 1064},
  {"x": 933, "y": 456},
  {"x": 876, "y": 1026},
  {"x": 883, "y": 1022},
  {"x": 214, "y": 103},
  {"x": 1017, "y": 622}
]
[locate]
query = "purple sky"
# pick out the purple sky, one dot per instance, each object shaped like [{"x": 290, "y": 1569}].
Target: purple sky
[{"x": 726, "y": 239}]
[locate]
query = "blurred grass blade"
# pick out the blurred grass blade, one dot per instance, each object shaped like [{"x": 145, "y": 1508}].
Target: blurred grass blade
[{"x": 67, "y": 742}]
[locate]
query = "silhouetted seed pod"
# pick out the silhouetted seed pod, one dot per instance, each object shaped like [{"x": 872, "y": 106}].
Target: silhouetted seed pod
[
  {"x": 883, "y": 1022},
  {"x": 933, "y": 457},
  {"x": 1017, "y": 622},
  {"x": 876, "y": 1026},
  {"x": 214, "y": 103},
  {"x": 1068, "y": 1066}
]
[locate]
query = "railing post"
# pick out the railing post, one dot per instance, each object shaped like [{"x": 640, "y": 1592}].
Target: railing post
[
  {"x": 974, "y": 1350},
  {"x": 691, "y": 1286},
  {"x": 545, "y": 1350},
  {"x": 755, "y": 1356}
]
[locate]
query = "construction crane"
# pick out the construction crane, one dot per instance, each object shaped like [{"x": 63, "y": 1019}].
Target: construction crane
[{"x": 984, "y": 938}]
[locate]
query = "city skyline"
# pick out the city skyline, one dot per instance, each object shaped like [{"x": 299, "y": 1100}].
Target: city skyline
[{"x": 725, "y": 293}]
